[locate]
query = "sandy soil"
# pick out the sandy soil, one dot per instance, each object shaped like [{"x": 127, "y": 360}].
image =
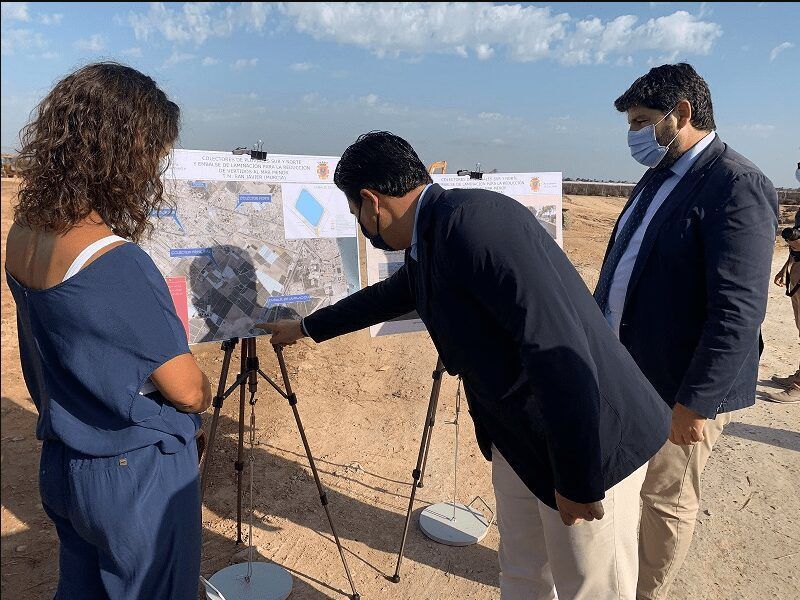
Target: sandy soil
[{"x": 363, "y": 402}]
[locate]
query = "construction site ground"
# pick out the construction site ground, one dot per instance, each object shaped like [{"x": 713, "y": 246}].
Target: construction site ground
[{"x": 363, "y": 402}]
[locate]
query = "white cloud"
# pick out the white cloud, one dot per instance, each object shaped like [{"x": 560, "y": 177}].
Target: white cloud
[
  {"x": 51, "y": 19},
  {"x": 176, "y": 58},
  {"x": 758, "y": 128},
  {"x": 492, "y": 120},
  {"x": 778, "y": 49},
  {"x": 374, "y": 104},
  {"x": 196, "y": 22},
  {"x": 483, "y": 30},
  {"x": 21, "y": 40},
  {"x": 210, "y": 61},
  {"x": 313, "y": 99},
  {"x": 526, "y": 33},
  {"x": 761, "y": 131},
  {"x": 254, "y": 15},
  {"x": 392, "y": 28},
  {"x": 134, "y": 52},
  {"x": 302, "y": 66},
  {"x": 14, "y": 11},
  {"x": 484, "y": 51},
  {"x": 370, "y": 99},
  {"x": 50, "y": 55},
  {"x": 244, "y": 63},
  {"x": 94, "y": 43},
  {"x": 249, "y": 96},
  {"x": 679, "y": 33},
  {"x": 565, "y": 123}
]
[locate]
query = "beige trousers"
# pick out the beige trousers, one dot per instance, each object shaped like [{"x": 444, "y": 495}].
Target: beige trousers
[
  {"x": 670, "y": 501},
  {"x": 542, "y": 559}
]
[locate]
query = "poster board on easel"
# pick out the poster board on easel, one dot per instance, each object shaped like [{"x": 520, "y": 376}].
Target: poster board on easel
[{"x": 541, "y": 193}]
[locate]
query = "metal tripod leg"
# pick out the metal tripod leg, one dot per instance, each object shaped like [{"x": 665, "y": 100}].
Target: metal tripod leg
[
  {"x": 322, "y": 494},
  {"x": 437, "y": 383},
  {"x": 228, "y": 347},
  {"x": 247, "y": 348},
  {"x": 416, "y": 474}
]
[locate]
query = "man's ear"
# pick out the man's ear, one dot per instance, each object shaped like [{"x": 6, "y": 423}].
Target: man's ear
[
  {"x": 683, "y": 112},
  {"x": 370, "y": 198}
]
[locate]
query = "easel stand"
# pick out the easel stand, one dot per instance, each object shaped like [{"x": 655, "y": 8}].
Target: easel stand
[
  {"x": 248, "y": 380},
  {"x": 451, "y": 523},
  {"x": 422, "y": 459},
  {"x": 447, "y": 523}
]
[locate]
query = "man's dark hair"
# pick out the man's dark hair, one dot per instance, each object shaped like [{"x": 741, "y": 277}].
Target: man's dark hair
[
  {"x": 663, "y": 87},
  {"x": 379, "y": 161}
]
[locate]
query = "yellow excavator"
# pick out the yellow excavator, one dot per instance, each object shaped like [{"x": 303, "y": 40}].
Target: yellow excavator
[{"x": 441, "y": 165}]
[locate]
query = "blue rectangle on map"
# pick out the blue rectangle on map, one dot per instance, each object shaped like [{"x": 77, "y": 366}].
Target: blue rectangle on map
[
  {"x": 179, "y": 252},
  {"x": 309, "y": 207},
  {"x": 198, "y": 184},
  {"x": 256, "y": 198},
  {"x": 272, "y": 301}
]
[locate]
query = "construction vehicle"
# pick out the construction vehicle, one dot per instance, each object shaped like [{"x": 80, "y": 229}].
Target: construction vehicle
[
  {"x": 441, "y": 165},
  {"x": 9, "y": 165}
]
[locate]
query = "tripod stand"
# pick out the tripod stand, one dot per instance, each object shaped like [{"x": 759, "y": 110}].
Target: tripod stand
[
  {"x": 422, "y": 459},
  {"x": 248, "y": 380}
]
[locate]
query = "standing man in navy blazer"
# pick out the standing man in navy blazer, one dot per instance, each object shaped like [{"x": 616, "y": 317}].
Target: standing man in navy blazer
[
  {"x": 559, "y": 406},
  {"x": 684, "y": 286}
]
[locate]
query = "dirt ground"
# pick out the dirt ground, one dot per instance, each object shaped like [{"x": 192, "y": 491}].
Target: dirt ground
[{"x": 363, "y": 402}]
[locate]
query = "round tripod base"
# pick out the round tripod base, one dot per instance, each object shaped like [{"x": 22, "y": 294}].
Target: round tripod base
[
  {"x": 268, "y": 581},
  {"x": 469, "y": 526}
]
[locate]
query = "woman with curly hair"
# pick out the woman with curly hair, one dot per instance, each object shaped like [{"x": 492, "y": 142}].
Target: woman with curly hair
[{"x": 103, "y": 353}]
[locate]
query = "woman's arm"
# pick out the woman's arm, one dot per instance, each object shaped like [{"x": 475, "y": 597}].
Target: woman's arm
[{"x": 182, "y": 382}]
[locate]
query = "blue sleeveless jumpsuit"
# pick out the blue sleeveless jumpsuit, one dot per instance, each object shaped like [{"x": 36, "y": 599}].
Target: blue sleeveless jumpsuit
[{"x": 119, "y": 473}]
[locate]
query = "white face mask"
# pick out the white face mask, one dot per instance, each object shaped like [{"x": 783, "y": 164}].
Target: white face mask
[{"x": 644, "y": 146}]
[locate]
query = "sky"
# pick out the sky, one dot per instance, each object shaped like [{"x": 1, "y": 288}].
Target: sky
[{"x": 512, "y": 86}]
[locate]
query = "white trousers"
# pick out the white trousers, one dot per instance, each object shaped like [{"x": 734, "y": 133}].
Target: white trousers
[{"x": 543, "y": 559}]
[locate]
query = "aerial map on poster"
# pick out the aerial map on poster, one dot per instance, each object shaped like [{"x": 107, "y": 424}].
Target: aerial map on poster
[
  {"x": 540, "y": 193},
  {"x": 252, "y": 240}
]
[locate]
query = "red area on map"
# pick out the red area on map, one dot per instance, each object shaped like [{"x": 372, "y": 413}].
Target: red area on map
[{"x": 180, "y": 298}]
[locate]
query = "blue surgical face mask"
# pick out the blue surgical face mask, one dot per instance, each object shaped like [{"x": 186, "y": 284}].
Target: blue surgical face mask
[
  {"x": 644, "y": 146},
  {"x": 376, "y": 240},
  {"x": 797, "y": 174}
]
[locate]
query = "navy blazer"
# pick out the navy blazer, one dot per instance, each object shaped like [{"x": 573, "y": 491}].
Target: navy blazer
[
  {"x": 546, "y": 380},
  {"x": 698, "y": 292}
]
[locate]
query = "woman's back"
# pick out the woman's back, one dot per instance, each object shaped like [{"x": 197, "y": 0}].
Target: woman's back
[
  {"x": 40, "y": 259},
  {"x": 90, "y": 342}
]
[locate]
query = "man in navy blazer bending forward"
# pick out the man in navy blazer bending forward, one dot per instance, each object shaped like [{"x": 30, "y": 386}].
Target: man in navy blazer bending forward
[{"x": 560, "y": 408}]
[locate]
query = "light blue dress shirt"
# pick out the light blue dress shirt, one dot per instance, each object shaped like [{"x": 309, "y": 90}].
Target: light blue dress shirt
[
  {"x": 413, "y": 247},
  {"x": 622, "y": 276}
]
